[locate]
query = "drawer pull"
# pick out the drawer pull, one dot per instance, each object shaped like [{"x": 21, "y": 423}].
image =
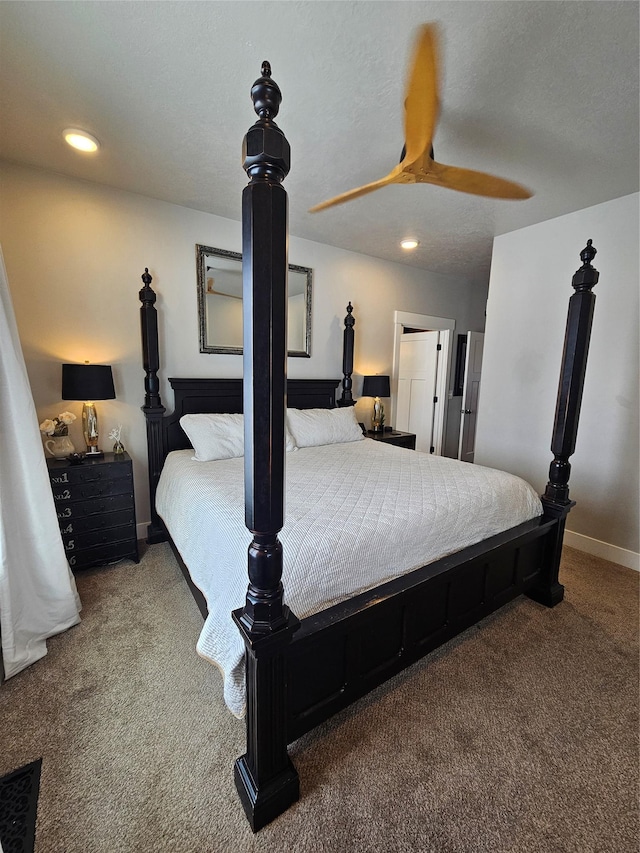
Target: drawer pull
[
  {"x": 94, "y": 493},
  {"x": 93, "y": 477}
]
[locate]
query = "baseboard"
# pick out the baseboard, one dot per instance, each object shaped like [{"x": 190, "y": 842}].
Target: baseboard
[
  {"x": 602, "y": 549},
  {"x": 141, "y": 531}
]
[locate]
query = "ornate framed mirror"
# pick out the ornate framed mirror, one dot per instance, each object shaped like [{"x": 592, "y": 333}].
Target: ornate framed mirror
[{"x": 220, "y": 303}]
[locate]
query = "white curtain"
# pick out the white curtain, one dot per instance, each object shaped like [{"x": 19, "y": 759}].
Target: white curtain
[{"x": 38, "y": 595}]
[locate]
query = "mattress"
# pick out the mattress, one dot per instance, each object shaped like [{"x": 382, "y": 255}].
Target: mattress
[{"x": 356, "y": 515}]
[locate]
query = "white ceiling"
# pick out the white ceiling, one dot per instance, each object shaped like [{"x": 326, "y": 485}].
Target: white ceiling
[{"x": 544, "y": 93}]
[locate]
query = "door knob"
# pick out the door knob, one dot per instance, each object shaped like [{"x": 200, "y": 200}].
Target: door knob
[{"x": 466, "y": 411}]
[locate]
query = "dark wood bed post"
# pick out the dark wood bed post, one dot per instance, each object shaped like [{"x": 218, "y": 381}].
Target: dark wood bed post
[
  {"x": 346, "y": 399},
  {"x": 555, "y": 500},
  {"x": 153, "y": 408},
  {"x": 265, "y": 777}
]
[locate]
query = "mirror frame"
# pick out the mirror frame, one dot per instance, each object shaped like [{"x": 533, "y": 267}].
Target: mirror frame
[{"x": 202, "y": 252}]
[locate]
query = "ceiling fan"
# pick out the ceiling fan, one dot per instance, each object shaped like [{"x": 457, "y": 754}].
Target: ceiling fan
[{"x": 417, "y": 166}]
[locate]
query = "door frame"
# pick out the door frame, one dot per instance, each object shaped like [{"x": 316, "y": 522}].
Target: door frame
[
  {"x": 427, "y": 323},
  {"x": 470, "y": 353}
]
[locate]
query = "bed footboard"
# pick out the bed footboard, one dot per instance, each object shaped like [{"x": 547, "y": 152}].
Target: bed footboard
[{"x": 341, "y": 654}]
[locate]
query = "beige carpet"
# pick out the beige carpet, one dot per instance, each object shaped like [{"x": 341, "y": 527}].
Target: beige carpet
[{"x": 520, "y": 735}]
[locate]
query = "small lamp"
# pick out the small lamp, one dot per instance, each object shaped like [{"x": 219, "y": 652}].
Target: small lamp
[
  {"x": 88, "y": 382},
  {"x": 376, "y": 386}
]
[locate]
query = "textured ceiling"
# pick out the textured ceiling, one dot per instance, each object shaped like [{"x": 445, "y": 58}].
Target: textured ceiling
[{"x": 544, "y": 93}]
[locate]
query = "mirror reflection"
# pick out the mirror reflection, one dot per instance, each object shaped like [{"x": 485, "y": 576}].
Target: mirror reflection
[{"x": 220, "y": 303}]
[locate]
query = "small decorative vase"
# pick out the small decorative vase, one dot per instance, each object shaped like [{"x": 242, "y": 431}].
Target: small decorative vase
[
  {"x": 59, "y": 446},
  {"x": 118, "y": 448}
]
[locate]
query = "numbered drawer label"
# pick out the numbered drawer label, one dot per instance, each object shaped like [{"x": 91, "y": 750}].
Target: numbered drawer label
[
  {"x": 101, "y": 521},
  {"x": 84, "y": 491},
  {"x": 90, "y": 473},
  {"x": 101, "y": 555},
  {"x": 62, "y": 494},
  {"x": 93, "y": 538},
  {"x": 67, "y": 511},
  {"x": 59, "y": 479}
]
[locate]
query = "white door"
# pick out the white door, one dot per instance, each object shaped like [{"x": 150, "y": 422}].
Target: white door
[
  {"x": 470, "y": 396},
  {"x": 417, "y": 371}
]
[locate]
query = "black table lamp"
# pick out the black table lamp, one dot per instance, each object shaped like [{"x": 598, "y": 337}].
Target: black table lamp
[
  {"x": 376, "y": 386},
  {"x": 88, "y": 382}
]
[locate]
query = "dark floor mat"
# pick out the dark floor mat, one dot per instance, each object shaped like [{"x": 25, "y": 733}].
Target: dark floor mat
[{"x": 18, "y": 807}]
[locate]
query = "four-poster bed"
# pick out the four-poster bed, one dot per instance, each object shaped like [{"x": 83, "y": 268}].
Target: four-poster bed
[{"x": 299, "y": 673}]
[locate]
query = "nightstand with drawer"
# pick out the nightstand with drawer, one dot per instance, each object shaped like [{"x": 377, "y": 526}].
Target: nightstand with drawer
[
  {"x": 95, "y": 505},
  {"x": 399, "y": 439}
]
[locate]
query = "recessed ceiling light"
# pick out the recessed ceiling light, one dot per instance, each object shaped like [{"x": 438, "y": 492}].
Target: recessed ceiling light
[
  {"x": 81, "y": 140},
  {"x": 409, "y": 244}
]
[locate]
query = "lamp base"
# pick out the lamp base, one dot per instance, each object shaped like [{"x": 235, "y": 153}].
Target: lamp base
[
  {"x": 377, "y": 420},
  {"x": 90, "y": 430}
]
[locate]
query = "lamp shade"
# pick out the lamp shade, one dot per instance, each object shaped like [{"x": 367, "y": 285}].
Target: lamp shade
[
  {"x": 376, "y": 386},
  {"x": 87, "y": 382}
]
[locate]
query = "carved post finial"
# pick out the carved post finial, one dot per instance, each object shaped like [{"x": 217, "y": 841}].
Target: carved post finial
[
  {"x": 266, "y": 154},
  {"x": 588, "y": 253},
  {"x": 587, "y": 276},
  {"x": 266, "y": 94},
  {"x": 146, "y": 295}
]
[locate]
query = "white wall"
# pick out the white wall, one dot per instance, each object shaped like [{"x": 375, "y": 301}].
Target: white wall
[
  {"x": 529, "y": 289},
  {"x": 75, "y": 252}
]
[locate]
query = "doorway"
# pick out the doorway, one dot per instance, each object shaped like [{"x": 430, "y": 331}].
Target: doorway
[{"x": 419, "y": 393}]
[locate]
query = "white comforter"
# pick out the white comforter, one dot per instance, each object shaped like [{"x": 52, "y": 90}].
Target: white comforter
[{"x": 356, "y": 515}]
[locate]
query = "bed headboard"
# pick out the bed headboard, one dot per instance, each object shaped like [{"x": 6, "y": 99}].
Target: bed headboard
[
  {"x": 225, "y": 395},
  {"x": 200, "y": 395}
]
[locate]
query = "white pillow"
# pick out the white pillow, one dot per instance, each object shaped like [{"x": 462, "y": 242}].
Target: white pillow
[
  {"x": 218, "y": 436},
  {"x": 311, "y": 427}
]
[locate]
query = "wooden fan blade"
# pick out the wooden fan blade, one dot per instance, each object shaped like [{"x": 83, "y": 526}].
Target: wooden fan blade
[
  {"x": 391, "y": 178},
  {"x": 475, "y": 183},
  {"x": 422, "y": 102},
  {"x": 422, "y": 106}
]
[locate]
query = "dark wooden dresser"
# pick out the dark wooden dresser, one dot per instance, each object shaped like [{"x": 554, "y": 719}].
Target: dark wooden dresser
[{"x": 96, "y": 512}]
